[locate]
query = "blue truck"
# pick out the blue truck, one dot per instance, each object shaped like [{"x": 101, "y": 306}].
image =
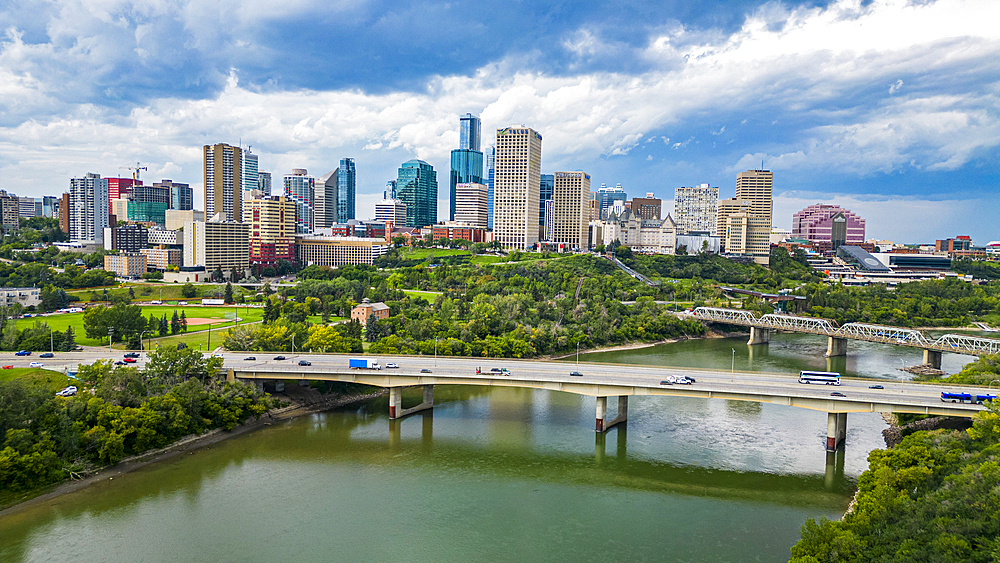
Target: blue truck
[{"x": 364, "y": 363}]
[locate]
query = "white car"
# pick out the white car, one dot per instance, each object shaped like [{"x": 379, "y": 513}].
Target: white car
[
  {"x": 67, "y": 392},
  {"x": 36, "y": 365},
  {"x": 392, "y": 365}
]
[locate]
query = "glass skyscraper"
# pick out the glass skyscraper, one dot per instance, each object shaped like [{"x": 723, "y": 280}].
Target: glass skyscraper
[
  {"x": 345, "y": 190},
  {"x": 417, "y": 187},
  {"x": 490, "y": 175},
  {"x": 300, "y": 188},
  {"x": 467, "y": 160},
  {"x": 607, "y": 196},
  {"x": 546, "y": 190}
]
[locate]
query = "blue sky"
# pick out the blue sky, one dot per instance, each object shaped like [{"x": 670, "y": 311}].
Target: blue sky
[{"x": 887, "y": 107}]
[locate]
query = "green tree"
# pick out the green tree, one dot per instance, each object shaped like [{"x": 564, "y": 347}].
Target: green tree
[
  {"x": 164, "y": 325},
  {"x": 229, "y": 292},
  {"x": 175, "y": 323},
  {"x": 188, "y": 291},
  {"x": 69, "y": 341},
  {"x": 168, "y": 366}
]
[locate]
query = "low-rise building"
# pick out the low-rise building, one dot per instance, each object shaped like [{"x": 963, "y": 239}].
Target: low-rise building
[
  {"x": 23, "y": 296},
  {"x": 648, "y": 236},
  {"x": 367, "y": 310},
  {"x": 312, "y": 250},
  {"x": 455, "y": 230},
  {"x": 175, "y": 219},
  {"x": 127, "y": 238},
  {"x": 126, "y": 264},
  {"x": 162, "y": 258}
]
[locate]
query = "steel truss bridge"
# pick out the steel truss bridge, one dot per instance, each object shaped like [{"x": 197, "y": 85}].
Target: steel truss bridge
[{"x": 952, "y": 343}]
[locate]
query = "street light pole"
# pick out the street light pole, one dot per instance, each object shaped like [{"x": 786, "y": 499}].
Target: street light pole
[
  {"x": 577, "y": 354},
  {"x": 111, "y": 339},
  {"x": 435, "y": 351},
  {"x": 732, "y": 370},
  {"x": 51, "y": 347}
]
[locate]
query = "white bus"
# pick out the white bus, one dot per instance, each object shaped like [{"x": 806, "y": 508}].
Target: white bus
[{"x": 827, "y": 377}]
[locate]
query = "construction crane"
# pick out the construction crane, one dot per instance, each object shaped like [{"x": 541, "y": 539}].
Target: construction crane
[{"x": 135, "y": 170}]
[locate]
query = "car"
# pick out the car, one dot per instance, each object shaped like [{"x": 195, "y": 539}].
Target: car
[
  {"x": 250, "y": 359},
  {"x": 22, "y": 353},
  {"x": 8, "y": 367},
  {"x": 425, "y": 370},
  {"x": 666, "y": 382},
  {"x": 305, "y": 363},
  {"x": 47, "y": 355},
  {"x": 392, "y": 365},
  {"x": 576, "y": 374},
  {"x": 182, "y": 302},
  {"x": 132, "y": 355},
  {"x": 683, "y": 380},
  {"x": 119, "y": 363},
  {"x": 67, "y": 392},
  {"x": 130, "y": 360},
  {"x": 36, "y": 365},
  {"x": 494, "y": 370},
  {"x": 875, "y": 387},
  {"x": 837, "y": 394},
  {"x": 279, "y": 357}
]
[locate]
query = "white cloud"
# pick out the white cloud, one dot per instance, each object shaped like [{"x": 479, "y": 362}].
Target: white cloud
[{"x": 893, "y": 88}]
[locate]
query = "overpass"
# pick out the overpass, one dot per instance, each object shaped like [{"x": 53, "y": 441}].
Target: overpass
[
  {"x": 605, "y": 381},
  {"x": 837, "y": 336}
]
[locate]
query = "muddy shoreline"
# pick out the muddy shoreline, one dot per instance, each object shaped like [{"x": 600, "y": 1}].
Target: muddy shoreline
[{"x": 303, "y": 401}]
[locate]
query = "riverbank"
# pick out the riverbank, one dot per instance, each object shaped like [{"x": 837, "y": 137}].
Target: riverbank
[
  {"x": 304, "y": 400},
  {"x": 639, "y": 345}
]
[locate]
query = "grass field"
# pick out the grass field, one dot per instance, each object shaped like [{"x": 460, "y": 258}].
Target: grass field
[
  {"x": 159, "y": 291},
  {"x": 421, "y": 253},
  {"x": 51, "y": 379},
  {"x": 428, "y": 295}
]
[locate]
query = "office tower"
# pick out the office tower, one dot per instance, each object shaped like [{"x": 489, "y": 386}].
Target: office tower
[
  {"x": 88, "y": 205},
  {"x": 416, "y": 186},
  {"x": 326, "y": 199},
  {"x": 755, "y": 186},
  {"x": 217, "y": 244},
  {"x": 467, "y": 160},
  {"x": 470, "y": 132},
  {"x": 727, "y": 208},
  {"x": 607, "y": 196},
  {"x": 64, "y": 212},
  {"x": 180, "y": 195},
  {"x": 390, "y": 209},
  {"x": 548, "y": 230},
  {"x": 648, "y": 208},
  {"x": 120, "y": 188},
  {"x": 470, "y": 206},
  {"x": 26, "y": 207},
  {"x": 696, "y": 208},
  {"x": 264, "y": 182},
  {"x": 819, "y": 223},
  {"x": 516, "y": 184},
  {"x": 50, "y": 205},
  {"x": 223, "y": 181},
  {"x": 272, "y": 228},
  {"x": 345, "y": 190},
  {"x": 571, "y": 197},
  {"x": 249, "y": 176},
  {"x": 10, "y": 211},
  {"x": 546, "y": 187},
  {"x": 490, "y": 174},
  {"x": 300, "y": 188}
]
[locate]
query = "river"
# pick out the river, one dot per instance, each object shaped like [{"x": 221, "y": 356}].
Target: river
[{"x": 490, "y": 475}]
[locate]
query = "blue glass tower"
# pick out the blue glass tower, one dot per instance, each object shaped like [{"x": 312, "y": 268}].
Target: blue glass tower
[
  {"x": 546, "y": 191},
  {"x": 417, "y": 187},
  {"x": 491, "y": 166},
  {"x": 345, "y": 190},
  {"x": 467, "y": 160}
]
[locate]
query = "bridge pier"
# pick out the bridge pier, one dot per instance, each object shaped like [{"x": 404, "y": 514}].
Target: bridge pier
[
  {"x": 260, "y": 385},
  {"x": 836, "y": 346},
  {"x": 396, "y": 409},
  {"x": 932, "y": 358},
  {"x": 836, "y": 430},
  {"x": 758, "y": 336},
  {"x": 602, "y": 412}
]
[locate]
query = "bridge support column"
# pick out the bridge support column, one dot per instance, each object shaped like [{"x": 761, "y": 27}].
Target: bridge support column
[
  {"x": 303, "y": 383},
  {"x": 932, "y": 358},
  {"x": 836, "y": 430},
  {"x": 279, "y": 386},
  {"x": 260, "y": 385},
  {"x": 758, "y": 336},
  {"x": 396, "y": 409},
  {"x": 836, "y": 346},
  {"x": 602, "y": 412}
]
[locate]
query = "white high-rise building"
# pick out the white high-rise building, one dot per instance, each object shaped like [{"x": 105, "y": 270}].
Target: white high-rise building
[
  {"x": 326, "y": 199},
  {"x": 756, "y": 186},
  {"x": 223, "y": 184},
  {"x": 88, "y": 213},
  {"x": 391, "y": 209},
  {"x": 696, "y": 208},
  {"x": 516, "y": 186},
  {"x": 300, "y": 188},
  {"x": 471, "y": 204},
  {"x": 571, "y": 197}
]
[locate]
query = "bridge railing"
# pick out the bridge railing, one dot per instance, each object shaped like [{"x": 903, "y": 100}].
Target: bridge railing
[
  {"x": 883, "y": 333},
  {"x": 955, "y": 342},
  {"x": 802, "y": 324}
]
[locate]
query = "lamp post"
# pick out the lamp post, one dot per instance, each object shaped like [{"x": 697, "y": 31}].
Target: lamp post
[
  {"x": 293, "y": 343},
  {"x": 577, "y": 354},
  {"x": 111, "y": 339},
  {"x": 732, "y": 370},
  {"x": 51, "y": 347},
  {"x": 435, "y": 351},
  {"x": 140, "y": 338}
]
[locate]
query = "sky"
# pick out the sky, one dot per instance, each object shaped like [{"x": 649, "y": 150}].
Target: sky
[{"x": 886, "y": 107}]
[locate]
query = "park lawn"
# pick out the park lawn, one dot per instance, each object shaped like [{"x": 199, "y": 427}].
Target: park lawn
[
  {"x": 51, "y": 379},
  {"x": 422, "y": 253},
  {"x": 196, "y": 340},
  {"x": 483, "y": 259},
  {"x": 159, "y": 291},
  {"x": 428, "y": 295}
]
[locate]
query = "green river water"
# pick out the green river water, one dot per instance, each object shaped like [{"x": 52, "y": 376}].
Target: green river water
[{"x": 490, "y": 475}]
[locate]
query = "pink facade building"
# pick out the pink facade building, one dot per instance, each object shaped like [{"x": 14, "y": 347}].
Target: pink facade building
[{"x": 828, "y": 223}]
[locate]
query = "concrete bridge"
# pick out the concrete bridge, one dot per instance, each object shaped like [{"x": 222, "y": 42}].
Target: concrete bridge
[
  {"x": 837, "y": 336},
  {"x": 604, "y": 382}
]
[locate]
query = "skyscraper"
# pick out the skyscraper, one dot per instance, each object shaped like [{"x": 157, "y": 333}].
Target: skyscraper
[
  {"x": 326, "y": 199},
  {"x": 249, "y": 175},
  {"x": 516, "y": 185},
  {"x": 490, "y": 175},
  {"x": 416, "y": 186},
  {"x": 470, "y": 204},
  {"x": 571, "y": 197},
  {"x": 546, "y": 188},
  {"x": 391, "y": 209},
  {"x": 607, "y": 196},
  {"x": 88, "y": 208},
  {"x": 223, "y": 181},
  {"x": 345, "y": 190},
  {"x": 272, "y": 229},
  {"x": 696, "y": 208},
  {"x": 120, "y": 188},
  {"x": 300, "y": 188},
  {"x": 264, "y": 182},
  {"x": 467, "y": 160},
  {"x": 756, "y": 187}
]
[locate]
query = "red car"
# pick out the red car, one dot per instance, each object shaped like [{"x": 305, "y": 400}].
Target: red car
[
  {"x": 8, "y": 367},
  {"x": 129, "y": 360}
]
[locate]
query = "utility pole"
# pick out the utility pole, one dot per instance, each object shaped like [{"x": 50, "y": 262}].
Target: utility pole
[{"x": 111, "y": 339}]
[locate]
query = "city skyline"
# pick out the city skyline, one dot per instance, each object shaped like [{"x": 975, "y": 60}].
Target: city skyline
[{"x": 886, "y": 127}]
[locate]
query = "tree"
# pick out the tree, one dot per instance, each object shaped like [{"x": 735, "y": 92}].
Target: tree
[
  {"x": 217, "y": 274},
  {"x": 123, "y": 318},
  {"x": 69, "y": 341},
  {"x": 168, "y": 366},
  {"x": 175, "y": 323},
  {"x": 229, "y": 290},
  {"x": 164, "y": 327},
  {"x": 184, "y": 321},
  {"x": 325, "y": 339},
  {"x": 188, "y": 291}
]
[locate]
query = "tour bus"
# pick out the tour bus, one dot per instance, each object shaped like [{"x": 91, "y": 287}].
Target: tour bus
[{"x": 827, "y": 377}]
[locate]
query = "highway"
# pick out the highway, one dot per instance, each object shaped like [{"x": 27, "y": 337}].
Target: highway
[{"x": 596, "y": 380}]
